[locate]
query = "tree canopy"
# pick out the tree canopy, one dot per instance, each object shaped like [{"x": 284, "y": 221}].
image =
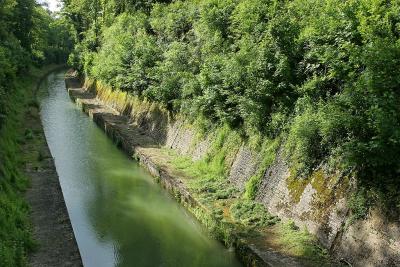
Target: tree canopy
[{"x": 29, "y": 35}]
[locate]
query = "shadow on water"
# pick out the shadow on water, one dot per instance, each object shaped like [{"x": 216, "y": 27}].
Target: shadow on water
[{"x": 119, "y": 215}]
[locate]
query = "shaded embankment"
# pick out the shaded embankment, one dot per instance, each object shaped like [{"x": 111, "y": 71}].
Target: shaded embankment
[
  {"x": 51, "y": 225},
  {"x": 34, "y": 224}
]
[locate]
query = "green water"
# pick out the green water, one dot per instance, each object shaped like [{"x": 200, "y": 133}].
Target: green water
[{"x": 119, "y": 215}]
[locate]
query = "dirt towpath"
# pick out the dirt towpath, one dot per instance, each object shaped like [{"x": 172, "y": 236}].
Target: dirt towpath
[{"x": 51, "y": 225}]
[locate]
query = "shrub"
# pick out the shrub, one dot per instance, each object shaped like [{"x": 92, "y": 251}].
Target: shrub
[{"x": 320, "y": 73}]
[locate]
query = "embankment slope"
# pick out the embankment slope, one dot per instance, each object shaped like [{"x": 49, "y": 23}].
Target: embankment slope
[{"x": 52, "y": 232}]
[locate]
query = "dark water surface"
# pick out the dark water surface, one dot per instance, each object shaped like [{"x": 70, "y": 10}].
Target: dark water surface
[{"x": 119, "y": 215}]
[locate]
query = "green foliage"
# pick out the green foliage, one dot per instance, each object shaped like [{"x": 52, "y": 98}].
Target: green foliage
[
  {"x": 319, "y": 74},
  {"x": 28, "y": 134},
  {"x": 15, "y": 237},
  {"x": 211, "y": 185},
  {"x": 28, "y": 35},
  {"x": 173, "y": 22},
  {"x": 127, "y": 56},
  {"x": 301, "y": 243},
  {"x": 252, "y": 214},
  {"x": 268, "y": 151},
  {"x": 359, "y": 203},
  {"x": 52, "y": 39},
  {"x": 213, "y": 169}
]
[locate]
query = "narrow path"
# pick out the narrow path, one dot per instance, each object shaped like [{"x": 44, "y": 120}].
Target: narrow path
[{"x": 51, "y": 225}]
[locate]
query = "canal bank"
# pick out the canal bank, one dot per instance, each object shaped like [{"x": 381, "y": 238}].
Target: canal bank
[
  {"x": 253, "y": 247},
  {"x": 52, "y": 228},
  {"x": 35, "y": 228}
]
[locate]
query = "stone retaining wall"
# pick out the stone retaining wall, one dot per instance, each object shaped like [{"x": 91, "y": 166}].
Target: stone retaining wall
[{"x": 318, "y": 202}]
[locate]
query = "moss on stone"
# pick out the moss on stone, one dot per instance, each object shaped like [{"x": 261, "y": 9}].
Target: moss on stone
[
  {"x": 322, "y": 184},
  {"x": 296, "y": 187},
  {"x": 125, "y": 103}
]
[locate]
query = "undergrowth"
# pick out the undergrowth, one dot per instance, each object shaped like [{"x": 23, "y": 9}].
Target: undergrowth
[
  {"x": 251, "y": 213},
  {"x": 359, "y": 204},
  {"x": 301, "y": 243},
  {"x": 15, "y": 236},
  {"x": 228, "y": 210},
  {"x": 213, "y": 168},
  {"x": 15, "y": 227}
]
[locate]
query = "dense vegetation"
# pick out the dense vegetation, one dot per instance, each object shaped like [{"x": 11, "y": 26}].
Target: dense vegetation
[
  {"x": 321, "y": 74},
  {"x": 29, "y": 37},
  {"x": 318, "y": 74}
]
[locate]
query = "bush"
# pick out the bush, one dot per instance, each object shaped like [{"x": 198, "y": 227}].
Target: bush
[{"x": 321, "y": 73}]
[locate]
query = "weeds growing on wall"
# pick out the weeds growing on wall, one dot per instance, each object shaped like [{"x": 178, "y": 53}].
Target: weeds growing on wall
[
  {"x": 268, "y": 152},
  {"x": 213, "y": 168},
  {"x": 301, "y": 242},
  {"x": 252, "y": 214}
]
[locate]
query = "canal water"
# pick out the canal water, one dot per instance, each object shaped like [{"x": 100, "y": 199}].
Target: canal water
[{"x": 119, "y": 215}]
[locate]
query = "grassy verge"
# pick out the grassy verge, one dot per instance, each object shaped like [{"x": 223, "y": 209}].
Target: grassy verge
[{"x": 15, "y": 228}]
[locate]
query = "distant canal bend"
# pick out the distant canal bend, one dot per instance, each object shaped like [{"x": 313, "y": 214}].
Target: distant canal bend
[{"x": 119, "y": 215}]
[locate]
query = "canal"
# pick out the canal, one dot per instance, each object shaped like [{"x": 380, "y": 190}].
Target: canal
[{"x": 120, "y": 216}]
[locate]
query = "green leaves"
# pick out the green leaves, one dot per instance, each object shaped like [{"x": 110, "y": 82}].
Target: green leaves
[
  {"x": 28, "y": 34},
  {"x": 127, "y": 54},
  {"x": 322, "y": 73}
]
